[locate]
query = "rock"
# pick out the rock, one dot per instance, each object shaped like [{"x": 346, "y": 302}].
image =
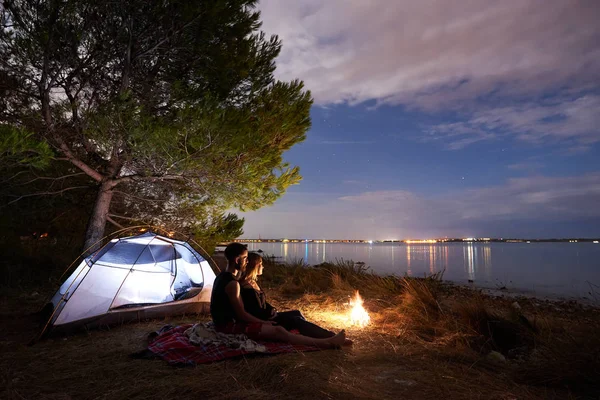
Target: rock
[
  {"x": 496, "y": 357},
  {"x": 405, "y": 382},
  {"x": 516, "y": 306},
  {"x": 35, "y": 294}
]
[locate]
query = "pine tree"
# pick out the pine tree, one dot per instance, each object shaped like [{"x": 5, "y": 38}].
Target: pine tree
[{"x": 170, "y": 108}]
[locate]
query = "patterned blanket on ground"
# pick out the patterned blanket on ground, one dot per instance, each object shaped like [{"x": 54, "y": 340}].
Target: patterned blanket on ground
[{"x": 200, "y": 344}]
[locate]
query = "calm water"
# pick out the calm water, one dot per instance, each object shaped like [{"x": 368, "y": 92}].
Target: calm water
[{"x": 561, "y": 269}]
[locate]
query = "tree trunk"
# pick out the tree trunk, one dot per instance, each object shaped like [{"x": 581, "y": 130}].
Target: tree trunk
[{"x": 97, "y": 223}]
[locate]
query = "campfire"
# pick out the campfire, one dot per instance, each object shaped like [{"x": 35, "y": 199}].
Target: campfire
[{"x": 358, "y": 315}]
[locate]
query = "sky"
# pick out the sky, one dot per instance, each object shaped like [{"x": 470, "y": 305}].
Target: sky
[{"x": 435, "y": 118}]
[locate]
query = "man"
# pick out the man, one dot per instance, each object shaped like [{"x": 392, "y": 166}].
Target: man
[{"x": 229, "y": 316}]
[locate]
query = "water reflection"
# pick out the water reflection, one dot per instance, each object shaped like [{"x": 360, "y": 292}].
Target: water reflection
[
  {"x": 412, "y": 260},
  {"x": 408, "y": 269},
  {"x": 487, "y": 261},
  {"x": 539, "y": 265},
  {"x": 469, "y": 261},
  {"x": 432, "y": 259},
  {"x": 445, "y": 263},
  {"x": 306, "y": 252}
]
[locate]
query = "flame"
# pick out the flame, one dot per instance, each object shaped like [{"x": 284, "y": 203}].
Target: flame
[{"x": 358, "y": 315}]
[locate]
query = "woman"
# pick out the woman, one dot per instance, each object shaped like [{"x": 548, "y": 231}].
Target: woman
[{"x": 255, "y": 303}]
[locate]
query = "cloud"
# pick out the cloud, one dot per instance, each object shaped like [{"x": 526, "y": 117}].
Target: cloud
[
  {"x": 435, "y": 53},
  {"x": 520, "y": 205},
  {"x": 574, "y": 121},
  {"x": 561, "y": 198},
  {"x": 530, "y": 166},
  {"x": 355, "y": 182}
]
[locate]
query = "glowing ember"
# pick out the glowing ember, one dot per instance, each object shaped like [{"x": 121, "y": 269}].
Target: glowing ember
[{"x": 358, "y": 316}]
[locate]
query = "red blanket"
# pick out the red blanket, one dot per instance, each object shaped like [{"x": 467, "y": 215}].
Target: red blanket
[{"x": 174, "y": 347}]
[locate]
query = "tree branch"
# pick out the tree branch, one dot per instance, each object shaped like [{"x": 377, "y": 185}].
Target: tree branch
[
  {"x": 112, "y": 221},
  {"x": 127, "y": 66},
  {"x": 44, "y": 193},
  {"x": 44, "y": 87},
  {"x": 123, "y": 217},
  {"x": 14, "y": 176},
  {"x": 52, "y": 178},
  {"x": 166, "y": 39},
  {"x": 139, "y": 198},
  {"x": 97, "y": 176},
  {"x": 150, "y": 178}
]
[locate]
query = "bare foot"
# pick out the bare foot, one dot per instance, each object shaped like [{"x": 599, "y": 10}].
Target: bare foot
[{"x": 339, "y": 339}]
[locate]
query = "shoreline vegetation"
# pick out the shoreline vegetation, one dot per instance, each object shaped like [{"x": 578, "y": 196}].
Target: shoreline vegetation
[{"x": 426, "y": 339}]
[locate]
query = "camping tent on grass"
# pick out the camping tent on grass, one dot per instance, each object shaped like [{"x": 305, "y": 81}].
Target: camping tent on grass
[{"x": 136, "y": 277}]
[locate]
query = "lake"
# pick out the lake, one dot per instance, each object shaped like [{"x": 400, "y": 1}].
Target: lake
[{"x": 547, "y": 269}]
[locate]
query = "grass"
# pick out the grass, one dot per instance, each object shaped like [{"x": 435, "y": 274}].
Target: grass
[{"x": 427, "y": 340}]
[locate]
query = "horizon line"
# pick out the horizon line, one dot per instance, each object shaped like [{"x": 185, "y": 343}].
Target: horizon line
[{"x": 445, "y": 239}]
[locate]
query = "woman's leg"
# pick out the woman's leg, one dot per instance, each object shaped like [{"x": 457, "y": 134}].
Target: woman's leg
[
  {"x": 279, "y": 334},
  {"x": 292, "y": 313},
  {"x": 291, "y": 322}
]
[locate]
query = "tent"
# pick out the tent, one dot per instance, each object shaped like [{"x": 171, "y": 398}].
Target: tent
[{"x": 136, "y": 277}]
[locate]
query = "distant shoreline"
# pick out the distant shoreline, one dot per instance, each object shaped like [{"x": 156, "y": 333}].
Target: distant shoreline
[
  {"x": 520, "y": 293},
  {"x": 418, "y": 241}
]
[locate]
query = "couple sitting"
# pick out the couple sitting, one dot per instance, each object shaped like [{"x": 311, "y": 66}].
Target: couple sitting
[{"x": 240, "y": 307}]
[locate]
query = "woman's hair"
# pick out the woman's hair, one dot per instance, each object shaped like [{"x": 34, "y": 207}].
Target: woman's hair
[{"x": 250, "y": 273}]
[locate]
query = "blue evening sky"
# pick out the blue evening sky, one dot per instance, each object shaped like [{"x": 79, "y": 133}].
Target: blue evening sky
[{"x": 441, "y": 118}]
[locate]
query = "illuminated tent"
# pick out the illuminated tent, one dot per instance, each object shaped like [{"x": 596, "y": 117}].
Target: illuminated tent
[{"x": 136, "y": 277}]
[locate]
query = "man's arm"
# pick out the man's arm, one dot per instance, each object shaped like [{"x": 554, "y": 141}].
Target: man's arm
[{"x": 233, "y": 293}]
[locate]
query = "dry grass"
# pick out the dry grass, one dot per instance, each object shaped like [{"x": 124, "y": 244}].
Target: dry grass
[
  {"x": 427, "y": 340},
  {"x": 553, "y": 353}
]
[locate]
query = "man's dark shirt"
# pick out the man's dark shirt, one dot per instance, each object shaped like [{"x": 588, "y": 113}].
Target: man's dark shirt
[{"x": 221, "y": 309}]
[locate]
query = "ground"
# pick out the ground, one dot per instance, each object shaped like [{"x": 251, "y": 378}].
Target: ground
[{"x": 387, "y": 360}]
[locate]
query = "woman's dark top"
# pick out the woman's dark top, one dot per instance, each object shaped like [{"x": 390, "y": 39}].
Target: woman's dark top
[
  {"x": 255, "y": 303},
  {"x": 221, "y": 309}
]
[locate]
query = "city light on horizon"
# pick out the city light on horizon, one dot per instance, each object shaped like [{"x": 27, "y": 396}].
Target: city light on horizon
[{"x": 417, "y": 241}]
